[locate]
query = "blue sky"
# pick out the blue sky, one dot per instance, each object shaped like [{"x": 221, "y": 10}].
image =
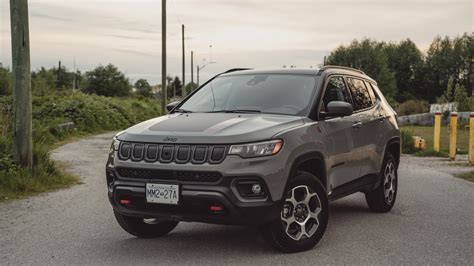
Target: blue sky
[{"x": 243, "y": 33}]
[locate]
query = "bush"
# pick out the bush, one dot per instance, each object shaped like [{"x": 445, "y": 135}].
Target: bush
[
  {"x": 107, "y": 81},
  {"x": 407, "y": 141},
  {"x": 90, "y": 113},
  {"x": 413, "y": 107}
]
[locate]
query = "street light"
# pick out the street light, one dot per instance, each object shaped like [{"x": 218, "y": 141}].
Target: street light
[{"x": 204, "y": 64}]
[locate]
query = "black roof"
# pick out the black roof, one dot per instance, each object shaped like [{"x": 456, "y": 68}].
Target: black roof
[
  {"x": 297, "y": 71},
  {"x": 307, "y": 71}
]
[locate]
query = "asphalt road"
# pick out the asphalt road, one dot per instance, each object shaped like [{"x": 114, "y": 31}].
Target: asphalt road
[{"x": 431, "y": 223}]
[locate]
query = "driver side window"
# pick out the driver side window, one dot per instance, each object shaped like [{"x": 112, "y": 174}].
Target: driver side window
[{"x": 335, "y": 91}]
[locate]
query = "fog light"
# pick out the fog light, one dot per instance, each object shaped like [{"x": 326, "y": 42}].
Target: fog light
[
  {"x": 256, "y": 189},
  {"x": 125, "y": 201}
]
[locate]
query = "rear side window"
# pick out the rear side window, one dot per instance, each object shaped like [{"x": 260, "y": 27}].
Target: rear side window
[
  {"x": 335, "y": 91},
  {"x": 371, "y": 91},
  {"x": 360, "y": 95}
]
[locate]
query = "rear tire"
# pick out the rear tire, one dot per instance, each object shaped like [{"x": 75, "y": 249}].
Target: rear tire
[
  {"x": 303, "y": 218},
  {"x": 144, "y": 228},
  {"x": 383, "y": 197}
]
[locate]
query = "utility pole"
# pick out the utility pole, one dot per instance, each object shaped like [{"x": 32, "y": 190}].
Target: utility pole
[
  {"x": 58, "y": 85},
  {"x": 183, "y": 93},
  {"x": 74, "y": 79},
  {"x": 163, "y": 56},
  {"x": 20, "y": 38},
  {"x": 192, "y": 68}
]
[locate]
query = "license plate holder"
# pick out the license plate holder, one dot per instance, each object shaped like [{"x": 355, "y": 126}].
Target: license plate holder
[{"x": 158, "y": 193}]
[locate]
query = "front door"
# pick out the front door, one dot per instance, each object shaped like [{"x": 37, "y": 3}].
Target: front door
[
  {"x": 338, "y": 132},
  {"x": 365, "y": 125}
]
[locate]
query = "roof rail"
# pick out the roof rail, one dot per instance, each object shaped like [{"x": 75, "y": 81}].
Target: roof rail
[
  {"x": 340, "y": 67},
  {"x": 235, "y": 69}
]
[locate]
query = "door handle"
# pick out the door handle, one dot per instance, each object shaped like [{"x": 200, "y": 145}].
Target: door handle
[{"x": 357, "y": 125}]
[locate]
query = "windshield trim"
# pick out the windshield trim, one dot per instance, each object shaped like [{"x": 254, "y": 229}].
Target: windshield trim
[{"x": 307, "y": 110}]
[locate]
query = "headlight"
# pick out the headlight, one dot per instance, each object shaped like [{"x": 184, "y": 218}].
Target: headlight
[
  {"x": 115, "y": 144},
  {"x": 257, "y": 149},
  {"x": 113, "y": 147}
]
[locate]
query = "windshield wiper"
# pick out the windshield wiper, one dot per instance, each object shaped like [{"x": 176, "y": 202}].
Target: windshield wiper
[
  {"x": 237, "y": 111},
  {"x": 181, "y": 111}
]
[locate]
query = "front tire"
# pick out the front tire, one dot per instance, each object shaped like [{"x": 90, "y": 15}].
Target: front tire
[
  {"x": 382, "y": 199},
  {"x": 144, "y": 228},
  {"x": 303, "y": 218}
]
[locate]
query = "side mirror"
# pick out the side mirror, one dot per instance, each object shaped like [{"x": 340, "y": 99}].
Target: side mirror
[
  {"x": 338, "y": 109},
  {"x": 172, "y": 105}
]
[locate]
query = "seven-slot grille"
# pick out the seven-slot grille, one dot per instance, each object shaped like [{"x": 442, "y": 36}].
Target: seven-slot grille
[
  {"x": 187, "y": 176},
  {"x": 167, "y": 153}
]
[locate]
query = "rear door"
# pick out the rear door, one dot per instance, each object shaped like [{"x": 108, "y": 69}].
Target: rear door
[
  {"x": 338, "y": 135},
  {"x": 365, "y": 125}
]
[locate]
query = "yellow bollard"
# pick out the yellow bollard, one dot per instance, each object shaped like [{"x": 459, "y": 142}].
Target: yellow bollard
[
  {"x": 437, "y": 131},
  {"x": 471, "y": 139},
  {"x": 453, "y": 126}
]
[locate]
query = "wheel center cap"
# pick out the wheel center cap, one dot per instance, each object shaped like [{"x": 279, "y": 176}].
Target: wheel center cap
[{"x": 301, "y": 212}]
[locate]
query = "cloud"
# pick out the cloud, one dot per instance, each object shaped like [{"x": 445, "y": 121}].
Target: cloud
[
  {"x": 133, "y": 52},
  {"x": 254, "y": 33}
]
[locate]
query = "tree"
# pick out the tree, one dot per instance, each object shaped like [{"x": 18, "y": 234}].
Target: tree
[
  {"x": 173, "y": 84},
  {"x": 460, "y": 96},
  {"x": 406, "y": 61},
  {"x": 143, "y": 88},
  {"x": 439, "y": 67},
  {"x": 463, "y": 53},
  {"x": 190, "y": 87},
  {"x": 107, "y": 81},
  {"x": 5, "y": 81},
  {"x": 370, "y": 57}
]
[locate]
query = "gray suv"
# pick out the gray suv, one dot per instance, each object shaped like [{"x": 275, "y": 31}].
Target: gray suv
[{"x": 267, "y": 148}]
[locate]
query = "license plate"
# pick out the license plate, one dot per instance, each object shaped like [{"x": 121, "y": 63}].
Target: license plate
[{"x": 162, "y": 193}]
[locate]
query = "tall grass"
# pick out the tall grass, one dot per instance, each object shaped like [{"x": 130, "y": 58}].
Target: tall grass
[{"x": 90, "y": 114}]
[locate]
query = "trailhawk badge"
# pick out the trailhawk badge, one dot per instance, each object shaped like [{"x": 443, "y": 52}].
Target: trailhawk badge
[{"x": 170, "y": 139}]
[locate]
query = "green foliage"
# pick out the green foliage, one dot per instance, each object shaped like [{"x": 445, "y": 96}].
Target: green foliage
[
  {"x": 405, "y": 60},
  {"x": 90, "y": 113},
  {"x": 107, "y": 81},
  {"x": 413, "y": 107},
  {"x": 369, "y": 56},
  {"x": 465, "y": 103},
  {"x": 449, "y": 59},
  {"x": 404, "y": 73},
  {"x": 407, "y": 141},
  {"x": 143, "y": 88},
  {"x": 46, "y": 81},
  {"x": 431, "y": 153},
  {"x": 173, "y": 84},
  {"x": 5, "y": 81},
  {"x": 469, "y": 176},
  {"x": 190, "y": 87}
]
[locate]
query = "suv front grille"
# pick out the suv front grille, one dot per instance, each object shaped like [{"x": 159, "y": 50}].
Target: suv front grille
[
  {"x": 186, "y": 176},
  {"x": 167, "y": 153}
]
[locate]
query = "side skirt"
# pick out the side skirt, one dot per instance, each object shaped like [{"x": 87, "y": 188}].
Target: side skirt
[{"x": 365, "y": 183}]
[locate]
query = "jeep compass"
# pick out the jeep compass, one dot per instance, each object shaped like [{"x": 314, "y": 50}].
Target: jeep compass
[{"x": 268, "y": 148}]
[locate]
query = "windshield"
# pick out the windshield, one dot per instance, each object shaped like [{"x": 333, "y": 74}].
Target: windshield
[{"x": 263, "y": 93}]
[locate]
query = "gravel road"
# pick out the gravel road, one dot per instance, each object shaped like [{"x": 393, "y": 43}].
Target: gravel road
[{"x": 431, "y": 223}]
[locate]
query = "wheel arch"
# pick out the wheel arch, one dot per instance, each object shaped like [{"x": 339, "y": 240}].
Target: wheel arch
[
  {"x": 313, "y": 163},
  {"x": 394, "y": 147}
]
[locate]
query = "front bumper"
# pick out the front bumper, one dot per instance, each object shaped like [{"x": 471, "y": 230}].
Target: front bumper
[{"x": 195, "y": 201}]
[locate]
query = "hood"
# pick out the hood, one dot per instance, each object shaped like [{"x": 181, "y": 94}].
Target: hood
[{"x": 218, "y": 128}]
